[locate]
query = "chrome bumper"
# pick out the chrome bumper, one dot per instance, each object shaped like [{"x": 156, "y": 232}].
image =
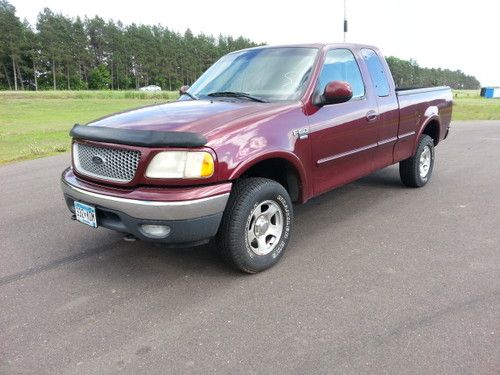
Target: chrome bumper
[{"x": 150, "y": 210}]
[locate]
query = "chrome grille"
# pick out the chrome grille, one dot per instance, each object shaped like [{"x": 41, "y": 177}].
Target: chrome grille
[{"x": 106, "y": 163}]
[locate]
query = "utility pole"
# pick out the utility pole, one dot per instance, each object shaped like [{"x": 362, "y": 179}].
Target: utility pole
[{"x": 345, "y": 20}]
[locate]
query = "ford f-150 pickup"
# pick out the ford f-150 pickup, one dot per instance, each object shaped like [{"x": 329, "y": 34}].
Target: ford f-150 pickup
[{"x": 261, "y": 129}]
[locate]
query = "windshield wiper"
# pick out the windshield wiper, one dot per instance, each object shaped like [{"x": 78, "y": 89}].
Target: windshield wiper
[
  {"x": 190, "y": 95},
  {"x": 237, "y": 94}
]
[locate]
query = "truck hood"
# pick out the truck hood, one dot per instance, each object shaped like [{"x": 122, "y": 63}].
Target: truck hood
[{"x": 206, "y": 117}]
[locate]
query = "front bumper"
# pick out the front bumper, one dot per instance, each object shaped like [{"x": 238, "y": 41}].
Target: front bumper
[{"x": 189, "y": 220}]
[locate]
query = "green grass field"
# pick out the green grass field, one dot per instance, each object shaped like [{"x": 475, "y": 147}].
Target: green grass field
[
  {"x": 36, "y": 124},
  {"x": 468, "y": 105}
]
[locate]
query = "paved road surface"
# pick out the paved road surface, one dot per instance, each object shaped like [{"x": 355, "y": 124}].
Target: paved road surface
[{"x": 379, "y": 279}]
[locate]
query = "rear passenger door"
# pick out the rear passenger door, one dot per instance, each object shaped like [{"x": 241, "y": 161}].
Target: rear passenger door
[
  {"x": 388, "y": 109},
  {"x": 344, "y": 135}
]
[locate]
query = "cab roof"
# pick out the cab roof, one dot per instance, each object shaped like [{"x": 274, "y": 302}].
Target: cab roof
[{"x": 316, "y": 45}]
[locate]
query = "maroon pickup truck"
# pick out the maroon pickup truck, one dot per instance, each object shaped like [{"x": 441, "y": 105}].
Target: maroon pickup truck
[{"x": 261, "y": 129}]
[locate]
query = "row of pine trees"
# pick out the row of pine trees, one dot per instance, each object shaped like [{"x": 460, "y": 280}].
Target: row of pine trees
[
  {"x": 63, "y": 53},
  {"x": 410, "y": 74}
]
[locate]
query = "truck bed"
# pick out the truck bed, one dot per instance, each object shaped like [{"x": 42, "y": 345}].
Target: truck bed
[
  {"x": 417, "y": 90},
  {"x": 420, "y": 103}
]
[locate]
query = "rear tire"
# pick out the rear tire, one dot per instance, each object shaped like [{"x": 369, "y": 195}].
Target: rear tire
[
  {"x": 256, "y": 226},
  {"x": 417, "y": 170}
]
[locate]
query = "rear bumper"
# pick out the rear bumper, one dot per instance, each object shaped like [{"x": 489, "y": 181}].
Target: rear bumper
[{"x": 189, "y": 220}]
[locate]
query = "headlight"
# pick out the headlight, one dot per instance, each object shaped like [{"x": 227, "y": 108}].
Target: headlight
[{"x": 181, "y": 164}]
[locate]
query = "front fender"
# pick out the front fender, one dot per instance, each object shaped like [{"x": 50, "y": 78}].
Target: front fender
[{"x": 291, "y": 158}]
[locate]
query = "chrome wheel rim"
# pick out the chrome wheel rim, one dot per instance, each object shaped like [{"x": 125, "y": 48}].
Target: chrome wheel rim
[
  {"x": 425, "y": 162},
  {"x": 265, "y": 227}
]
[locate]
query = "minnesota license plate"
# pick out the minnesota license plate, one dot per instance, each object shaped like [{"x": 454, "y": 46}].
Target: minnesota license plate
[{"x": 85, "y": 214}]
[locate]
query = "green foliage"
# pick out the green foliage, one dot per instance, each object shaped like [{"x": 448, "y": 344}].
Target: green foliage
[
  {"x": 75, "y": 54},
  {"x": 71, "y": 53},
  {"x": 12, "y": 42},
  {"x": 77, "y": 83},
  {"x": 409, "y": 74},
  {"x": 100, "y": 78}
]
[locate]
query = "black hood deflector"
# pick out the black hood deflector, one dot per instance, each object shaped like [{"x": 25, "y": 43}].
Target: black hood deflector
[{"x": 145, "y": 138}]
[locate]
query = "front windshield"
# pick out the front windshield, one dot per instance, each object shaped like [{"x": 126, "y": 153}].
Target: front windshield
[{"x": 272, "y": 74}]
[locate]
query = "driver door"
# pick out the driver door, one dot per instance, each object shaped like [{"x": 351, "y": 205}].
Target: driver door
[{"x": 343, "y": 136}]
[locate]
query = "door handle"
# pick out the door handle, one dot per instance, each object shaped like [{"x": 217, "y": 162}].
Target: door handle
[{"x": 371, "y": 116}]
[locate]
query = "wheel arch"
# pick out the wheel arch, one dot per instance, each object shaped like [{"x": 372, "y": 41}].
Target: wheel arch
[
  {"x": 282, "y": 167},
  {"x": 432, "y": 128}
]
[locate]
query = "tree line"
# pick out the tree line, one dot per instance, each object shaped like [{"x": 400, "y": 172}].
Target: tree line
[
  {"x": 63, "y": 53},
  {"x": 91, "y": 53},
  {"x": 410, "y": 74}
]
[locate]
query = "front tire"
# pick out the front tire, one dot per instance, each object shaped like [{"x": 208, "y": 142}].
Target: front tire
[
  {"x": 417, "y": 170},
  {"x": 256, "y": 226}
]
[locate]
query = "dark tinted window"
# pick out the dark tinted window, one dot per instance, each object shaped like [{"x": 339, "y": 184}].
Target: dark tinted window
[
  {"x": 377, "y": 72},
  {"x": 340, "y": 65}
]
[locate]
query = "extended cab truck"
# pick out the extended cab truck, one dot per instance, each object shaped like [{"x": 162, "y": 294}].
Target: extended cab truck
[{"x": 261, "y": 129}]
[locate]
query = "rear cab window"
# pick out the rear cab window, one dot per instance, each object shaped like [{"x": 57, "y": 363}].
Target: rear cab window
[{"x": 377, "y": 72}]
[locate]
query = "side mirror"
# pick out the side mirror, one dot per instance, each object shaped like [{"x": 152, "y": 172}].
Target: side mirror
[
  {"x": 336, "y": 92},
  {"x": 183, "y": 89}
]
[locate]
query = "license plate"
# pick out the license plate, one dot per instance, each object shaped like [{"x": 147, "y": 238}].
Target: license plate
[{"x": 85, "y": 214}]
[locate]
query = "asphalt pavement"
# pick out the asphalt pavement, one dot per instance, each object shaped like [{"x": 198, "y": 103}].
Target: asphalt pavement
[{"x": 379, "y": 278}]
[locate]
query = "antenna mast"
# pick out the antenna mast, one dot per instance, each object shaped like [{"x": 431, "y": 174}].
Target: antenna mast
[{"x": 345, "y": 20}]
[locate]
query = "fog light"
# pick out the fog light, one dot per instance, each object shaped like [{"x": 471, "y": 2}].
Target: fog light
[{"x": 153, "y": 230}]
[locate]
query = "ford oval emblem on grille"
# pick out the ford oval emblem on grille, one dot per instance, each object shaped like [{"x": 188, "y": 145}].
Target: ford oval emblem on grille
[{"x": 97, "y": 160}]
